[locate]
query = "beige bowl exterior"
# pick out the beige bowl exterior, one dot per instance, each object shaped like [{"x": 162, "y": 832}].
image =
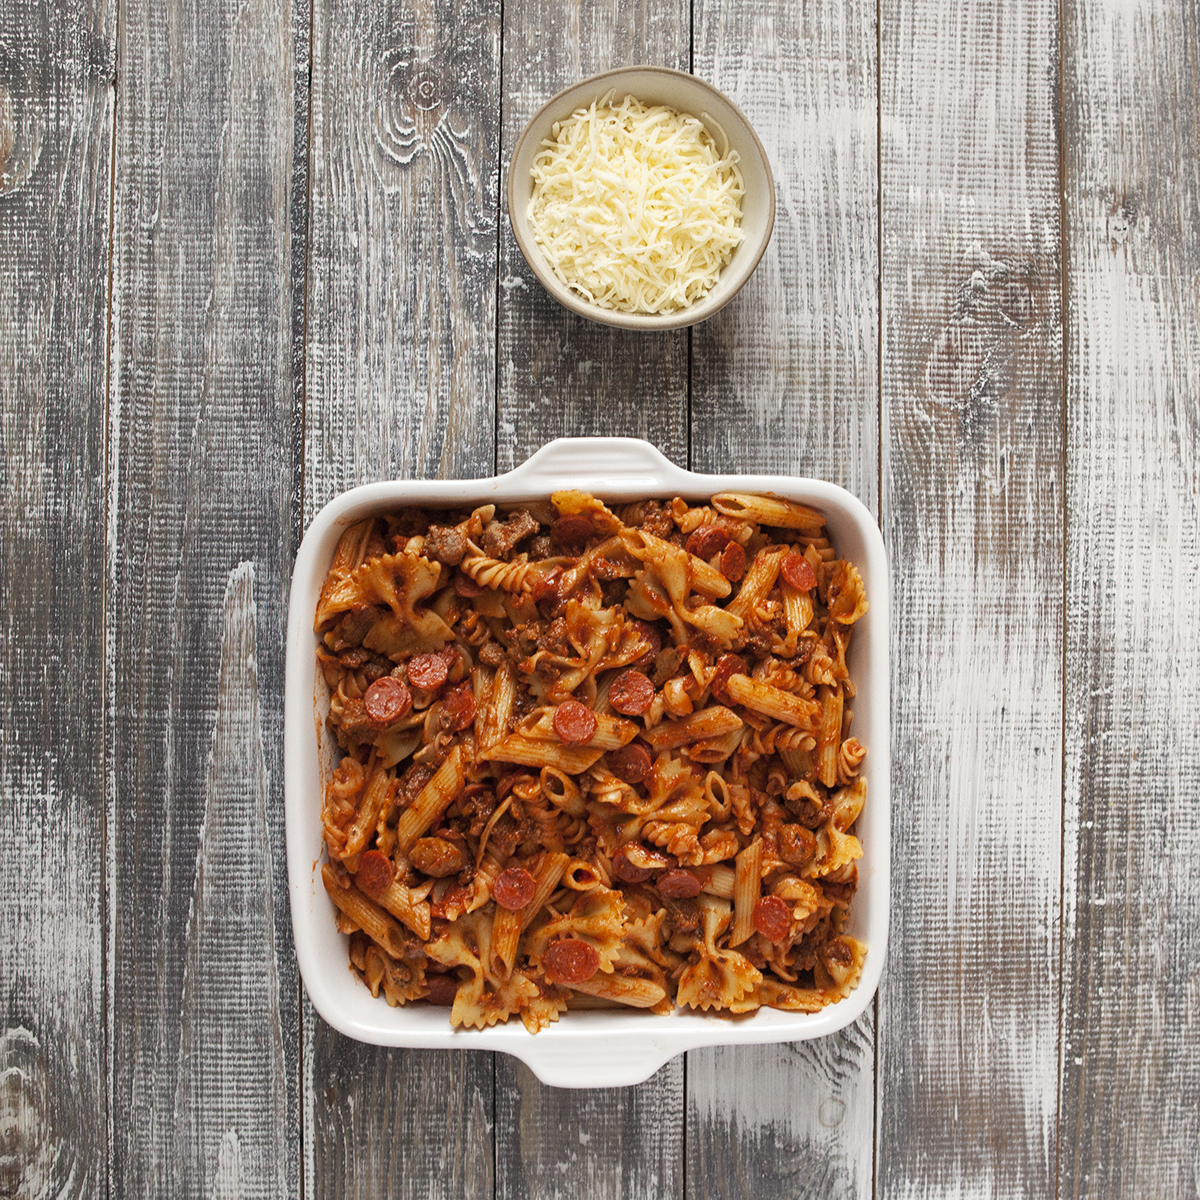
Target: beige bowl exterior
[{"x": 686, "y": 93}]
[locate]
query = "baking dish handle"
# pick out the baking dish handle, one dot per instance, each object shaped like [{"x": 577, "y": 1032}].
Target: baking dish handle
[
  {"x": 621, "y": 465},
  {"x": 615, "y": 1063}
]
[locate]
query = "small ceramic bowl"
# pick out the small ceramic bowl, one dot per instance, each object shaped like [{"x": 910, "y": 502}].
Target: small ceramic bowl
[{"x": 686, "y": 93}]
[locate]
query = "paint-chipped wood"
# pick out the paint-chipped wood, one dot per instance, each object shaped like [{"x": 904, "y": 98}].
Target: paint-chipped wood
[
  {"x": 1130, "y": 1119},
  {"x": 56, "y": 114},
  {"x": 404, "y": 1125},
  {"x": 783, "y": 1121},
  {"x": 402, "y": 267},
  {"x": 785, "y": 379},
  {"x": 400, "y": 361},
  {"x": 561, "y": 374},
  {"x": 556, "y": 1144},
  {"x": 972, "y": 437},
  {"x": 203, "y": 1001}
]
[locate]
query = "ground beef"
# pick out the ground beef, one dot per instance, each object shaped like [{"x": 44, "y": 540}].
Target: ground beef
[
  {"x": 683, "y": 916},
  {"x": 658, "y": 520},
  {"x": 541, "y": 547},
  {"x": 352, "y": 628},
  {"x": 492, "y": 654},
  {"x": 554, "y": 638},
  {"x": 500, "y": 538},
  {"x": 445, "y": 544}
]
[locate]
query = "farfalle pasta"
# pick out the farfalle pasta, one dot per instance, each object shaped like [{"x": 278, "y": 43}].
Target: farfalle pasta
[{"x": 594, "y": 757}]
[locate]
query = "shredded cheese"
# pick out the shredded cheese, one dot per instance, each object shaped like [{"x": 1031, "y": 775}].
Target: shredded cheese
[{"x": 633, "y": 206}]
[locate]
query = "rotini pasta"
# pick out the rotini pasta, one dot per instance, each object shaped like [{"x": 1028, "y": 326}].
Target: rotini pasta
[{"x": 594, "y": 757}]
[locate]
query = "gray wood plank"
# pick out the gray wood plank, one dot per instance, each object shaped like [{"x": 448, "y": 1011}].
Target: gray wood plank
[
  {"x": 785, "y": 379},
  {"x": 554, "y": 1144},
  {"x": 56, "y": 114},
  {"x": 1130, "y": 1114},
  {"x": 972, "y": 437},
  {"x": 402, "y": 268},
  {"x": 202, "y": 476},
  {"x": 400, "y": 383},
  {"x": 560, "y": 374}
]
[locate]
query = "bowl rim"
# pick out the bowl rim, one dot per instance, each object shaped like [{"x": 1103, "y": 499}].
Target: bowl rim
[
  {"x": 592, "y": 1049},
  {"x": 701, "y": 310}
]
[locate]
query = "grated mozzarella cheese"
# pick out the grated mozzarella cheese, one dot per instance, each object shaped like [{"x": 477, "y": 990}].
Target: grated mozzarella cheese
[{"x": 634, "y": 207}]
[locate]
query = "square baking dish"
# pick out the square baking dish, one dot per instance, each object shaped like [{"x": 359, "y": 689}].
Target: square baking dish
[{"x": 584, "y": 1048}]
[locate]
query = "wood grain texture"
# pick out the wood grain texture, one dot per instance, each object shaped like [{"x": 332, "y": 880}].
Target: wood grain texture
[
  {"x": 972, "y": 380},
  {"x": 1130, "y": 1121},
  {"x": 786, "y": 1121},
  {"x": 785, "y": 379},
  {"x": 607, "y": 1143},
  {"x": 203, "y": 1011},
  {"x": 400, "y": 383},
  {"x": 561, "y": 375},
  {"x": 56, "y": 113},
  {"x": 395, "y": 1123},
  {"x": 402, "y": 267}
]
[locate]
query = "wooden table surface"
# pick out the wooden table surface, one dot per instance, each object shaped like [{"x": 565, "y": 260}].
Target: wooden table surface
[{"x": 254, "y": 252}]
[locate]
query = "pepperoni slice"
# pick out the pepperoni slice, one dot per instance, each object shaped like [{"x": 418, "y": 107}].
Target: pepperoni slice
[
  {"x": 386, "y": 701},
  {"x": 733, "y": 562},
  {"x": 651, "y": 635},
  {"x": 631, "y": 693},
  {"x": 460, "y": 705},
  {"x": 442, "y": 989},
  {"x": 465, "y": 586},
  {"x": 678, "y": 885},
  {"x": 727, "y": 664},
  {"x": 772, "y": 919},
  {"x": 514, "y": 888},
  {"x": 428, "y": 671},
  {"x": 707, "y": 541},
  {"x": 624, "y": 869},
  {"x": 571, "y": 533},
  {"x": 570, "y": 961},
  {"x": 797, "y": 570},
  {"x": 574, "y": 722},
  {"x": 374, "y": 873},
  {"x": 629, "y": 763}
]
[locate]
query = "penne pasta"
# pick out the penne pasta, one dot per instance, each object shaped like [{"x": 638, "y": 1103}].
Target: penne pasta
[
  {"x": 747, "y": 887},
  {"x": 711, "y": 722},
  {"x": 432, "y": 801},
  {"x": 774, "y": 702},
  {"x": 767, "y": 510}
]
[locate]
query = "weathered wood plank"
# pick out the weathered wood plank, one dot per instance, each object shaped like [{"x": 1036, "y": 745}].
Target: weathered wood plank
[
  {"x": 561, "y": 375},
  {"x": 1130, "y": 1114},
  {"x": 203, "y": 996},
  {"x": 402, "y": 267},
  {"x": 56, "y": 113},
  {"x": 401, "y": 383},
  {"x": 785, "y": 379},
  {"x": 972, "y": 380},
  {"x": 553, "y": 1144}
]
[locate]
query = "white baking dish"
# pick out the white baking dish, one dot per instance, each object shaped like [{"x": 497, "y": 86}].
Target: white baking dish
[{"x": 587, "y": 1048}]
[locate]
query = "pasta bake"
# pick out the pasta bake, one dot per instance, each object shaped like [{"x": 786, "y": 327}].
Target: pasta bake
[{"x": 594, "y": 757}]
